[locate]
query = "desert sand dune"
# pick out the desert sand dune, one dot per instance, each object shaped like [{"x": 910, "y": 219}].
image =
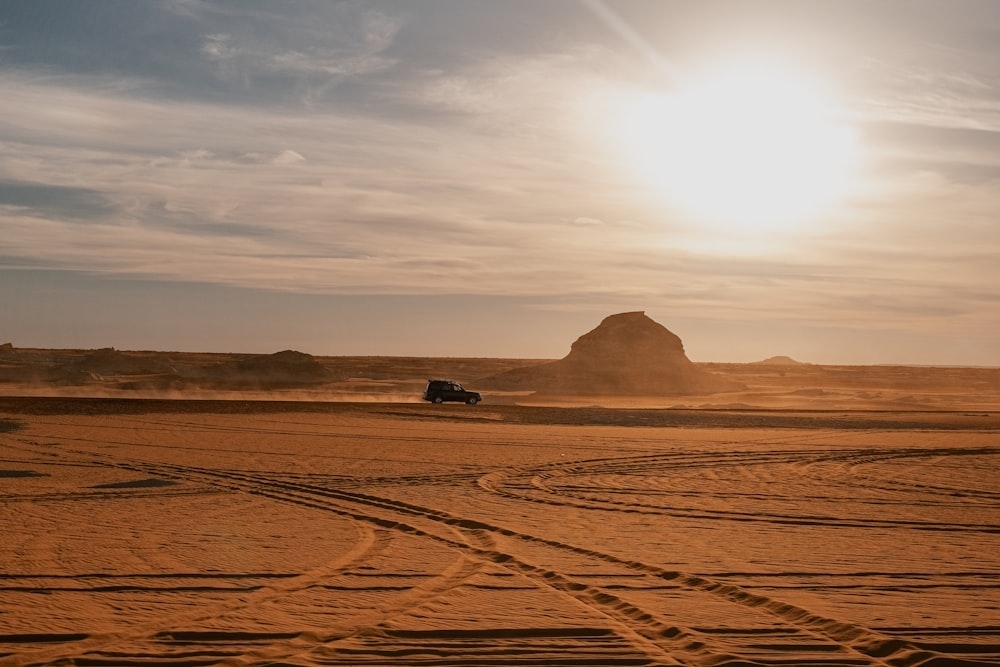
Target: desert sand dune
[{"x": 198, "y": 533}]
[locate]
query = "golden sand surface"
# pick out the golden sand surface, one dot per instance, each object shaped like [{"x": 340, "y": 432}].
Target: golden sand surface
[{"x": 139, "y": 532}]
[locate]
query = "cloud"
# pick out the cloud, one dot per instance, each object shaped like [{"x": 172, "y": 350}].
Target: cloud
[
  {"x": 931, "y": 96},
  {"x": 187, "y": 194},
  {"x": 535, "y": 89},
  {"x": 54, "y": 200},
  {"x": 287, "y": 157},
  {"x": 225, "y": 194},
  {"x": 468, "y": 176},
  {"x": 304, "y": 53}
]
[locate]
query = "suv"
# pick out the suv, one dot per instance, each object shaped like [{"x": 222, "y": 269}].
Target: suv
[{"x": 439, "y": 391}]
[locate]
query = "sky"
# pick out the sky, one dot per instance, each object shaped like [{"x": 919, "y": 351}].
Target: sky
[{"x": 491, "y": 179}]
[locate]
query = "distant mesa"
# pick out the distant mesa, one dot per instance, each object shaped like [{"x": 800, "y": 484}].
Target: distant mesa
[
  {"x": 288, "y": 362},
  {"x": 780, "y": 361},
  {"x": 158, "y": 372},
  {"x": 285, "y": 368},
  {"x": 109, "y": 361},
  {"x": 627, "y": 354}
]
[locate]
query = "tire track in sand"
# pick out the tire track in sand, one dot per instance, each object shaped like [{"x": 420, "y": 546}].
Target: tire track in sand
[
  {"x": 76, "y": 646},
  {"x": 538, "y": 484},
  {"x": 659, "y": 639}
]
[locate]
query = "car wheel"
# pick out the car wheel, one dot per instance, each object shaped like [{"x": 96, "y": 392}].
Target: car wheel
[
  {"x": 438, "y": 399},
  {"x": 472, "y": 400}
]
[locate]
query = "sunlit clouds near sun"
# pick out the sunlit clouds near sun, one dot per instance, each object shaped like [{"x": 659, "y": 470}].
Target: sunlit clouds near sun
[{"x": 746, "y": 148}]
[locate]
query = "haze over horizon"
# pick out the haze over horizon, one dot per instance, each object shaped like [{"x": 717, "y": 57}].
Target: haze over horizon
[{"x": 444, "y": 178}]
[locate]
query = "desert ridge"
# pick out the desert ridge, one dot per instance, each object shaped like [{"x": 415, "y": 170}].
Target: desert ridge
[{"x": 627, "y": 360}]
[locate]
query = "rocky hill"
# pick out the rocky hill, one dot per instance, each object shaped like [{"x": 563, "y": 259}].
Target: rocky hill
[
  {"x": 779, "y": 360},
  {"x": 627, "y": 354},
  {"x": 287, "y": 368}
]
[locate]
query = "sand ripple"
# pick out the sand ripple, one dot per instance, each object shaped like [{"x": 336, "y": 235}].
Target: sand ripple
[{"x": 376, "y": 536}]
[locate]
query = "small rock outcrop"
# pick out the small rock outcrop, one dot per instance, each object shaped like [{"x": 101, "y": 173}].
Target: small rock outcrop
[
  {"x": 627, "y": 354},
  {"x": 109, "y": 361},
  {"x": 285, "y": 368},
  {"x": 779, "y": 360}
]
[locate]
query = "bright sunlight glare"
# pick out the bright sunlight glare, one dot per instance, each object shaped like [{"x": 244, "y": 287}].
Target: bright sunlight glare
[{"x": 745, "y": 149}]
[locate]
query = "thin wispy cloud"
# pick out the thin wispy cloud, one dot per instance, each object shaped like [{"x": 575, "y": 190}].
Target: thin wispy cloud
[{"x": 937, "y": 99}]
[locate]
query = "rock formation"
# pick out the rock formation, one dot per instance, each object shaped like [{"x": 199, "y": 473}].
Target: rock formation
[
  {"x": 627, "y": 354},
  {"x": 281, "y": 369},
  {"x": 779, "y": 360},
  {"x": 109, "y": 361}
]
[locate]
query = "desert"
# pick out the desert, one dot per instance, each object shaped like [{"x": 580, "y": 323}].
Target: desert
[
  {"x": 440, "y": 333},
  {"x": 807, "y": 515}
]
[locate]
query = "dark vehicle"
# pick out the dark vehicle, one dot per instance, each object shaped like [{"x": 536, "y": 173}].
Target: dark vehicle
[{"x": 439, "y": 391}]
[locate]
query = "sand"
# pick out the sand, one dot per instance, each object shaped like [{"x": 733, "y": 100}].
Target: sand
[{"x": 242, "y": 533}]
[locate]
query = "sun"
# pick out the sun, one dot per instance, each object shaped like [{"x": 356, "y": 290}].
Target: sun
[{"x": 745, "y": 148}]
